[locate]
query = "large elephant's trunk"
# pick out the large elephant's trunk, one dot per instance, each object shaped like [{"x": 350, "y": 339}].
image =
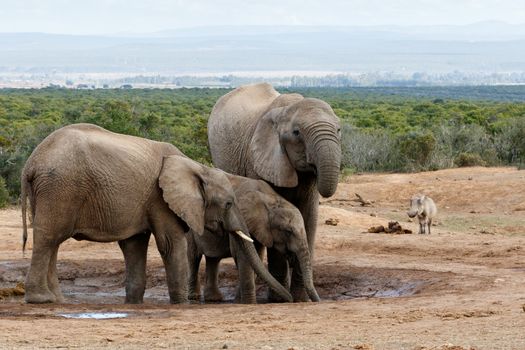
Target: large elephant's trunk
[
  {"x": 323, "y": 140},
  {"x": 303, "y": 258},
  {"x": 249, "y": 251}
]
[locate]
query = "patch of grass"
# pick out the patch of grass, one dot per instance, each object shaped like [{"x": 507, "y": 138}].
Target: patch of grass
[{"x": 479, "y": 222}]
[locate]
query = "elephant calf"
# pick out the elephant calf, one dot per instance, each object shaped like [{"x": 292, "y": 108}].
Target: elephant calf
[
  {"x": 272, "y": 221},
  {"x": 425, "y": 209}
]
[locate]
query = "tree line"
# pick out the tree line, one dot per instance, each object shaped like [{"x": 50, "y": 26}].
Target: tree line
[{"x": 383, "y": 130}]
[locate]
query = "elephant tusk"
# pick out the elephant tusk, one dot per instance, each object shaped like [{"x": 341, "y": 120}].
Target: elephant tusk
[{"x": 244, "y": 236}]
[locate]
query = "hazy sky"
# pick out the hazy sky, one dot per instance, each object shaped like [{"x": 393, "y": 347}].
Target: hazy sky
[{"x": 141, "y": 16}]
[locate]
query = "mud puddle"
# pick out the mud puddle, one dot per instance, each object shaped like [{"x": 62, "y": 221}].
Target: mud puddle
[{"x": 86, "y": 283}]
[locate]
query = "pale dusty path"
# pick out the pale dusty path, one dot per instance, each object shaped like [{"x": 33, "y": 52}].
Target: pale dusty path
[{"x": 462, "y": 287}]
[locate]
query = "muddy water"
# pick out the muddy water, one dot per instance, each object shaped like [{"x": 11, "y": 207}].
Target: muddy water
[{"x": 85, "y": 283}]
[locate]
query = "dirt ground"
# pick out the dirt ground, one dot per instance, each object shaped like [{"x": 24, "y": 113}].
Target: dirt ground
[{"x": 462, "y": 287}]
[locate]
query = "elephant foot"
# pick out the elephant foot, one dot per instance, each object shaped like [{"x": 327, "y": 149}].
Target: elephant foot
[
  {"x": 213, "y": 294},
  {"x": 40, "y": 298},
  {"x": 179, "y": 301},
  {"x": 299, "y": 295},
  {"x": 273, "y": 297},
  {"x": 59, "y": 297},
  {"x": 132, "y": 300},
  {"x": 194, "y": 296}
]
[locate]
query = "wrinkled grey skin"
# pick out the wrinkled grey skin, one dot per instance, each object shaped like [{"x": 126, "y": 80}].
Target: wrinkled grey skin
[
  {"x": 291, "y": 142},
  {"x": 87, "y": 183},
  {"x": 425, "y": 209},
  {"x": 273, "y": 223}
]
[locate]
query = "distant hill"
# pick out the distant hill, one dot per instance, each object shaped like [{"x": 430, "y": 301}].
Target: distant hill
[{"x": 481, "y": 47}]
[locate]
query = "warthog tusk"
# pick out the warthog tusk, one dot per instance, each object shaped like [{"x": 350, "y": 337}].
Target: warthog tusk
[{"x": 244, "y": 236}]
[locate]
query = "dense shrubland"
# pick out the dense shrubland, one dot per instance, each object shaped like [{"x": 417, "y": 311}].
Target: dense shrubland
[{"x": 382, "y": 131}]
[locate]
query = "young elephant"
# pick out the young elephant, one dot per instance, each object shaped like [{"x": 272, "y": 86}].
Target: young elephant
[
  {"x": 425, "y": 209},
  {"x": 273, "y": 222},
  {"x": 87, "y": 183}
]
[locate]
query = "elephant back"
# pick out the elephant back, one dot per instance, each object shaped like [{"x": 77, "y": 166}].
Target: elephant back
[{"x": 233, "y": 118}]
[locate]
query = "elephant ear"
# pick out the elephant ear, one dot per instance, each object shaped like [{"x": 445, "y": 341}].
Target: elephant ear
[
  {"x": 254, "y": 209},
  {"x": 182, "y": 189},
  {"x": 270, "y": 160}
]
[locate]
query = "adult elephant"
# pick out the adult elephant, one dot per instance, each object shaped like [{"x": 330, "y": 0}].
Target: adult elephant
[
  {"x": 292, "y": 142},
  {"x": 273, "y": 223},
  {"x": 87, "y": 183}
]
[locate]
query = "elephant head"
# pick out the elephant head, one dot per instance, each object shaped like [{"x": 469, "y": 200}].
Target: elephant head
[
  {"x": 274, "y": 222},
  {"x": 294, "y": 135},
  {"x": 202, "y": 197}
]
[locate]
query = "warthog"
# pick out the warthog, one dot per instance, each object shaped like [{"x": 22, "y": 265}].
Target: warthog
[{"x": 425, "y": 209}]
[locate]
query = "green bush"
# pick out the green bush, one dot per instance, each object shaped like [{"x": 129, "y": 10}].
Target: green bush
[
  {"x": 466, "y": 159},
  {"x": 417, "y": 149},
  {"x": 369, "y": 150},
  {"x": 4, "y": 194},
  {"x": 510, "y": 141}
]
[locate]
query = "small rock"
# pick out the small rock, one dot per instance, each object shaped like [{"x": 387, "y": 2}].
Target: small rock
[
  {"x": 225, "y": 346},
  {"x": 363, "y": 347},
  {"x": 376, "y": 229},
  {"x": 523, "y": 307},
  {"x": 473, "y": 212},
  {"x": 332, "y": 221},
  {"x": 373, "y": 214},
  {"x": 470, "y": 178}
]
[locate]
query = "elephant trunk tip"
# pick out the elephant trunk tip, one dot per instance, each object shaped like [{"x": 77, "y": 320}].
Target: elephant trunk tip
[{"x": 325, "y": 193}]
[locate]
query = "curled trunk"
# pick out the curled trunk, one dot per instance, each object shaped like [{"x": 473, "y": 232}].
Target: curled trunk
[
  {"x": 328, "y": 165},
  {"x": 249, "y": 251},
  {"x": 325, "y": 148}
]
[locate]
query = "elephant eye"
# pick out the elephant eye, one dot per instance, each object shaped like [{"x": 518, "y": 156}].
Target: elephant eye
[
  {"x": 295, "y": 132},
  {"x": 228, "y": 205}
]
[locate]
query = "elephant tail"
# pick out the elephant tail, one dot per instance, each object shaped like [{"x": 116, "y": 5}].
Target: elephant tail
[{"x": 24, "y": 193}]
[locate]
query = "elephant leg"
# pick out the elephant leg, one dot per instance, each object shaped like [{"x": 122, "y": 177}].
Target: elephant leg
[
  {"x": 36, "y": 284},
  {"x": 194, "y": 283},
  {"x": 429, "y": 224},
  {"x": 52, "y": 277},
  {"x": 297, "y": 284},
  {"x": 135, "y": 250},
  {"x": 173, "y": 250},
  {"x": 278, "y": 267},
  {"x": 309, "y": 210},
  {"x": 211, "y": 291}
]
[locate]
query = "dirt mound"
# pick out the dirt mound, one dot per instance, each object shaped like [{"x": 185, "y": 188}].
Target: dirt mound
[
  {"x": 393, "y": 227},
  {"x": 18, "y": 290}
]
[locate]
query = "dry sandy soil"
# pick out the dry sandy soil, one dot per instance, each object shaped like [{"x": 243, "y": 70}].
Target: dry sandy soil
[{"x": 462, "y": 287}]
